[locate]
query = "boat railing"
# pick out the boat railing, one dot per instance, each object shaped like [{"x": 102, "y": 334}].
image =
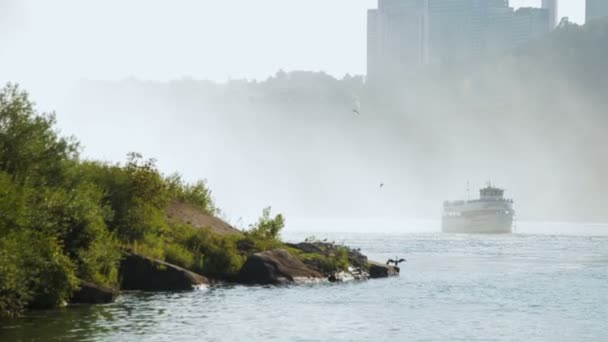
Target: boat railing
[{"x": 462, "y": 202}]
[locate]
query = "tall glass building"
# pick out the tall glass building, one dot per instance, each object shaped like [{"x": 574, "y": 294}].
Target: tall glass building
[
  {"x": 405, "y": 34},
  {"x": 551, "y": 6},
  {"x": 597, "y": 9}
]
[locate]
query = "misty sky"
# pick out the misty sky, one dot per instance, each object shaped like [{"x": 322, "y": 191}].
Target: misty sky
[
  {"x": 47, "y": 46},
  {"x": 64, "y": 40}
]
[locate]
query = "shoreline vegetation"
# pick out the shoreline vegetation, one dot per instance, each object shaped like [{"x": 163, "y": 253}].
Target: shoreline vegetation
[{"x": 76, "y": 230}]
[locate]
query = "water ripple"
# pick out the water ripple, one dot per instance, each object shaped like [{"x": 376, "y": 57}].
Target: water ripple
[{"x": 469, "y": 288}]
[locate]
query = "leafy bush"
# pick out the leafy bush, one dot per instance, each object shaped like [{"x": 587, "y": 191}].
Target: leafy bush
[
  {"x": 178, "y": 255},
  {"x": 267, "y": 227},
  {"x": 33, "y": 272},
  {"x": 330, "y": 261},
  {"x": 220, "y": 253},
  {"x": 197, "y": 194},
  {"x": 30, "y": 149},
  {"x": 52, "y": 223}
]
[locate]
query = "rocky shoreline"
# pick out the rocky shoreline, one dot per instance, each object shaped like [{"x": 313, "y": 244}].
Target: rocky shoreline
[{"x": 274, "y": 267}]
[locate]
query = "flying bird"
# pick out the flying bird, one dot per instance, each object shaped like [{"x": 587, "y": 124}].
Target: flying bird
[
  {"x": 395, "y": 261},
  {"x": 356, "y": 105},
  {"x": 381, "y": 185}
]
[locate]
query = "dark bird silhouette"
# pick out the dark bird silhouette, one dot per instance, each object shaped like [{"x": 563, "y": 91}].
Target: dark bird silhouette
[
  {"x": 356, "y": 111},
  {"x": 395, "y": 261},
  {"x": 381, "y": 185}
]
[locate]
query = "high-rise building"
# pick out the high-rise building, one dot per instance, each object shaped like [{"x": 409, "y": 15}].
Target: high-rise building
[
  {"x": 597, "y": 9},
  {"x": 551, "y": 6},
  {"x": 527, "y": 24},
  {"x": 397, "y": 36},
  {"x": 451, "y": 30},
  {"x": 405, "y": 34}
]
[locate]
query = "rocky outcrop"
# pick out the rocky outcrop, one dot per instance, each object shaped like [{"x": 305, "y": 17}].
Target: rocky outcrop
[
  {"x": 360, "y": 268},
  {"x": 94, "y": 294},
  {"x": 145, "y": 274},
  {"x": 357, "y": 260},
  {"x": 276, "y": 267},
  {"x": 379, "y": 270}
]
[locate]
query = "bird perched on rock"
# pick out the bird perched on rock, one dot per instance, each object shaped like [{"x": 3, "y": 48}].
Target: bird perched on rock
[{"x": 395, "y": 261}]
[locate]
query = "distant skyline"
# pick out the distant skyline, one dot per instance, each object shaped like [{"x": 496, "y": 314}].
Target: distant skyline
[{"x": 161, "y": 40}]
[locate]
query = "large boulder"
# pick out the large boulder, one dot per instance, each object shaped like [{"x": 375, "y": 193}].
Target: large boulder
[
  {"x": 90, "y": 293},
  {"x": 379, "y": 270},
  {"x": 141, "y": 273},
  {"x": 276, "y": 267}
]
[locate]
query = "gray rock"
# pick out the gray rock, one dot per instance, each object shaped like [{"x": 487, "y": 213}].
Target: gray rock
[
  {"x": 94, "y": 294},
  {"x": 276, "y": 267},
  {"x": 141, "y": 273},
  {"x": 379, "y": 270}
]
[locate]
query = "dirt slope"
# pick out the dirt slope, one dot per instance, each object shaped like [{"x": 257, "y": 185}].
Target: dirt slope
[{"x": 186, "y": 213}]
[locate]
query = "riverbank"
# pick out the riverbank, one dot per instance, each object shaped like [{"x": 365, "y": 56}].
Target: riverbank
[
  {"x": 519, "y": 287},
  {"x": 75, "y": 230},
  {"x": 303, "y": 263}
]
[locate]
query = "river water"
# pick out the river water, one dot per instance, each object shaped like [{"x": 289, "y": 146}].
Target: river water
[{"x": 523, "y": 287}]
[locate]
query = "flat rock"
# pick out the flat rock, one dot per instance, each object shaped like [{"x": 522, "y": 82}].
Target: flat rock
[
  {"x": 141, "y": 273},
  {"x": 379, "y": 270},
  {"x": 276, "y": 267},
  {"x": 90, "y": 293}
]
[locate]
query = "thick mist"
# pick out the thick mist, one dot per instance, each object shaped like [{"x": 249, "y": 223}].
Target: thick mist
[
  {"x": 532, "y": 121},
  {"x": 317, "y": 147}
]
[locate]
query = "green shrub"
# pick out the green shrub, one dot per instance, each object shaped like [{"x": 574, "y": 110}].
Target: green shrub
[
  {"x": 330, "y": 261},
  {"x": 14, "y": 199},
  {"x": 33, "y": 273},
  {"x": 178, "y": 255},
  {"x": 220, "y": 253},
  {"x": 52, "y": 223},
  {"x": 136, "y": 195},
  {"x": 197, "y": 194},
  {"x": 98, "y": 262},
  {"x": 267, "y": 228},
  {"x": 31, "y": 151},
  {"x": 264, "y": 234}
]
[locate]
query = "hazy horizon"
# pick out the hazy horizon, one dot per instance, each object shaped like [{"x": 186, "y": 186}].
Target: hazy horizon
[
  {"x": 49, "y": 47},
  {"x": 67, "y": 40}
]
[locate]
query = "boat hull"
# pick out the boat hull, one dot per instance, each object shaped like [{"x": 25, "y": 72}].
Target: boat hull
[{"x": 490, "y": 222}]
